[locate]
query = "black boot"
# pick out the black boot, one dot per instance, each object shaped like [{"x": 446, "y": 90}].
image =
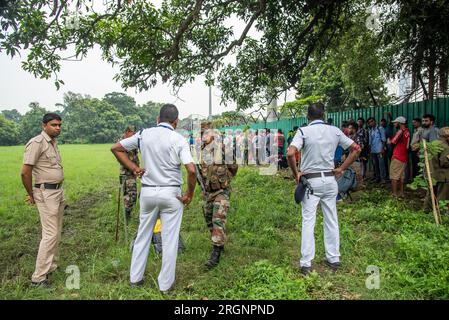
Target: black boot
[
  {"x": 214, "y": 257},
  {"x": 127, "y": 215}
]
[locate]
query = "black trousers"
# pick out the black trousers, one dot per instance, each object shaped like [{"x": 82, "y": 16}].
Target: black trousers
[{"x": 415, "y": 161}]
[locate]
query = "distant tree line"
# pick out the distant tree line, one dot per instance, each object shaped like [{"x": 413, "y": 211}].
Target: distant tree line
[{"x": 85, "y": 119}]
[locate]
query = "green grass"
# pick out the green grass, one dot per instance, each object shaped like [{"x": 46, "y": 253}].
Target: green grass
[{"x": 263, "y": 247}]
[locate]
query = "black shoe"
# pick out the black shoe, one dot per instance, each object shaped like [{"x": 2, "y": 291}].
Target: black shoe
[
  {"x": 214, "y": 257},
  {"x": 305, "y": 271},
  {"x": 137, "y": 284},
  {"x": 42, "y": 284},
  {"x": 169, "y": 290},
  {"x": 334, "y": 266}
]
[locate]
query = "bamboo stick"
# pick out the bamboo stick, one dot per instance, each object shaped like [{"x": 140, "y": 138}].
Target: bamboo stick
[{"x": 435, "y": 208}]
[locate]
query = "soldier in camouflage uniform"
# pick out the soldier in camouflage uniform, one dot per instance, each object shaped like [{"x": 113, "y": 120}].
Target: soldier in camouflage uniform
[
  {"x": 127, "y": 179},
  {"x": 439, "y": 168},
  {"x": 216, "y": 168}
]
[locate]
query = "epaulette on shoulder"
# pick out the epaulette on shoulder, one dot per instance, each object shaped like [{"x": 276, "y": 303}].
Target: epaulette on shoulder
[{"x": 37, "y": 139}]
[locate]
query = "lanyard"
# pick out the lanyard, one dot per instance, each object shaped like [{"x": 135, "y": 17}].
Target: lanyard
[
  {"x": 167, "y": 127},
  {"x": 312, "y": 124}
]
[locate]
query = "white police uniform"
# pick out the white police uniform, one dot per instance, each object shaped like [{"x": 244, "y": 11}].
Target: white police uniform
[
  {"x": 318, "y": 142},
  {"x": 163, "y": 151}
]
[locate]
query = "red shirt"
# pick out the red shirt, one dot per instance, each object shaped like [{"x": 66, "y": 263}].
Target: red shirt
[
  {"x": 280, "y": 140},
  {"x": 402, "y": 141}
]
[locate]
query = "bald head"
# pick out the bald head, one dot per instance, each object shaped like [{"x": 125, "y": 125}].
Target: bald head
[{"x": 315, "y": 111}]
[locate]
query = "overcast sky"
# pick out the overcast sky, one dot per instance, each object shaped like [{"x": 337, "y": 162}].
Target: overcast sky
[{"x": 93, "y": 76}]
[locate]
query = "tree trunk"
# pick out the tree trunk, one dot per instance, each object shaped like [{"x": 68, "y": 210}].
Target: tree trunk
[
  {"x": 431, "y": 69},
  {"x": 414, "y": 78},
  {"x": 443, "y": 77}
]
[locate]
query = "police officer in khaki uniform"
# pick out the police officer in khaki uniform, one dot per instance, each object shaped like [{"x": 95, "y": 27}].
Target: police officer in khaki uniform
[
  {"x": 217, "y": 168},
  {"x": 42, "y": 161}
]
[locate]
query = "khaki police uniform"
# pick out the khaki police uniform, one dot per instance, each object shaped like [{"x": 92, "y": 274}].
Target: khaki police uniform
[
  {"x": 163, "y": 151},
  {"x": 317, "y": 143},
  {"x": 43, "y": 154}
]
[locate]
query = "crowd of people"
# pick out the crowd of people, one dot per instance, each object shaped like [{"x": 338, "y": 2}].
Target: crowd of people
[
  {"x": 390, "y": 152},
  {"x": 249, "y": 147}
]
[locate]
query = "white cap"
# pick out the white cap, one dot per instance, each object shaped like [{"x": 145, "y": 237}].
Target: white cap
[{"x": 400, "y": 120}]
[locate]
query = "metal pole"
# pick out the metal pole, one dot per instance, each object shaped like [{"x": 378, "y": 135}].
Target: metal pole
[{"x": 210, "y": 103}]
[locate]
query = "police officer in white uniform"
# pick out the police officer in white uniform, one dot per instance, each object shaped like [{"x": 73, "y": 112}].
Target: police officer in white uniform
[
  {"x": 163, "y": 151},
  {"x": 317, "y": 143}
]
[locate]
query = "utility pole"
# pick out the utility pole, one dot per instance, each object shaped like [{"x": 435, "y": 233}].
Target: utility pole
[
  {"x": 210, "y": 103},
  {"x": 272, "y": 109}
]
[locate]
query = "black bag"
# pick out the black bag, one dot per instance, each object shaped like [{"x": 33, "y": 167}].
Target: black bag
[{"x": 301, "y": 189}]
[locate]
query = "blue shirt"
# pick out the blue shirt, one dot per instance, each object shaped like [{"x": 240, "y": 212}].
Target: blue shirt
[
  {"x": 338, "y": 154},
  {"x": 377, "y": 139}
]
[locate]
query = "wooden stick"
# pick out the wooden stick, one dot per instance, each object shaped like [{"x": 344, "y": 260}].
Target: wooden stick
[
  {"x": 118, "y": 211},
  {"x": 435, "y": 207}
]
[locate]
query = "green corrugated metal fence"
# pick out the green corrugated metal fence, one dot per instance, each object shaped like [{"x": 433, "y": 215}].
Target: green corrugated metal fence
[{"x": 438, "y": 107}]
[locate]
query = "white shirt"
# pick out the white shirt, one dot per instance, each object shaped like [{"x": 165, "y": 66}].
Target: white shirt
[
  {"x": 163, "y": 151},
  {"x": 318, "y": 145}
]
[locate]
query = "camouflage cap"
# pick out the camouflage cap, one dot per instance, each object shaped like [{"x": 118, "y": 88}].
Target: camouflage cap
[
  {"x": 206, "y": 125},
  {"x": 444, "y": 132}
]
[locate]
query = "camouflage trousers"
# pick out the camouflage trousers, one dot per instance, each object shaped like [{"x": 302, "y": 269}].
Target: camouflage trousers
[
  {"x": 216, "y": 208},
  {"x": 441, "y": 191},
  {"x": 129, "y": 192}
]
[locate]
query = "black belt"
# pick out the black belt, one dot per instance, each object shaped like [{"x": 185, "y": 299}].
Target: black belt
[
  {"x": 49, "y": 185},
  {"x": 318, "y": 175},
  {"x": 155, "y": 186}
]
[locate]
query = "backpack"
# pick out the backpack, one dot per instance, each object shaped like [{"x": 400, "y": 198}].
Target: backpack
[{"x": 347, "y": 183}]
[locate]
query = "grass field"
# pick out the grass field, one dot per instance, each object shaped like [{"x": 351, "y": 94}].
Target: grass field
[{"x": 263, "y": 247}]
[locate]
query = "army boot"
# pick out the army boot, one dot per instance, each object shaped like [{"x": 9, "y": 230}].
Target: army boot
[
  {"x": 127, "y": 215},
  {"x": 214, "y": 257}
]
